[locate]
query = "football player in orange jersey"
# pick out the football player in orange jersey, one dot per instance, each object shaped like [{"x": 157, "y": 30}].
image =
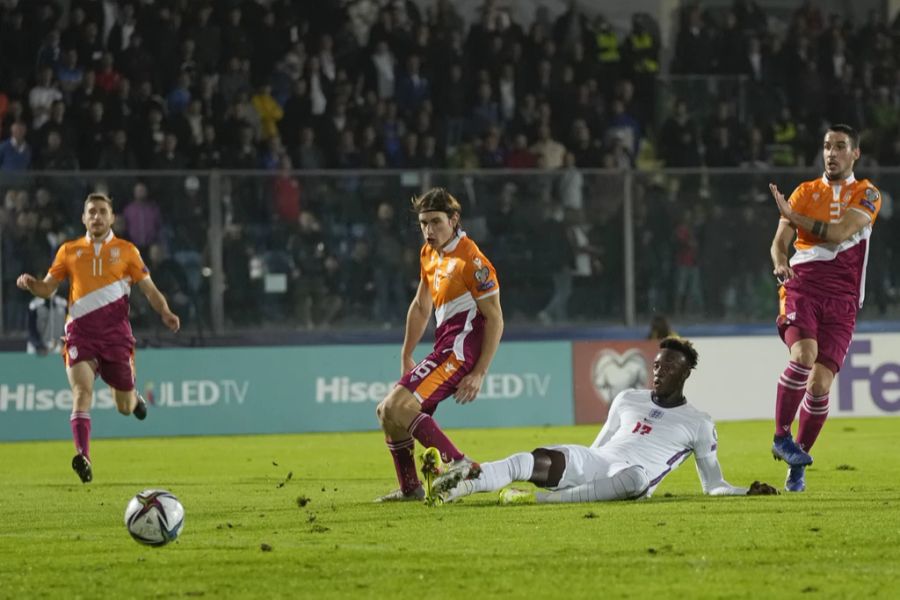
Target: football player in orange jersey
[
  {"x": 101, "y": 269},
  {"x": 822, "y": 289},
  {"x": 460, "y": 285}
]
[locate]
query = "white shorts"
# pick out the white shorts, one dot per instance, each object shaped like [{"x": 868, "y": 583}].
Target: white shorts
[{"x": 585, "y": 464}]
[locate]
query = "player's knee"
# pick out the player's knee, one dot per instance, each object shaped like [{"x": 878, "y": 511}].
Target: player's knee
[
  {"x": 81, "y": 395},
  {"x": 631, "y": 482},
  {"x": 379, "y": 413},
  {"x": 804, "y": 355},
  {"x": 818, "y": 388}
]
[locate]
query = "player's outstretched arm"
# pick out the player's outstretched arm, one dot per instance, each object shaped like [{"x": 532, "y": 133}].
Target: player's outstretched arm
[
  {"x": 713, "y": 481},
  {"x": 470, "y": 385},
  {"x": 416, "y": 321},
  {"x": 159, "y": 304},
  {"x": 43, "y": 289}
]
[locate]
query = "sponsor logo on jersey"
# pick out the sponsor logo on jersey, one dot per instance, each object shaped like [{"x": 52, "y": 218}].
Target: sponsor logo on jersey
[
  {"x": 655, "y": 413},
  {"x": 114, "y": 253},
  {"x": 73, "y": 352},
  {"x": 791, "y": 316}
]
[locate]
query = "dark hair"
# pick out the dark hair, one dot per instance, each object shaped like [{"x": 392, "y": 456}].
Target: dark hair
[
  {"x": 99, "y": 197},
  {"x": 437, "y": 199},
  {"x": 848, "y": 131},
  {"x": 684, "y": 346}
]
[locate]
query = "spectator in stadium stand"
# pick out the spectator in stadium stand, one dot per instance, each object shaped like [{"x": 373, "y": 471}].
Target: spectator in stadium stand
[
  {"x": 388, "y": 272},
  {"x": 679, "y": 142},
  {"x": 270, "y": 113},
  {"x": 297, "y": 114},
  {"x": 142, "y": 219},
  {"x": 640, "y": 61},
  {"x": 587, "y": 152},
  {"x": 359, "y": 282},
  {"x": 15, "y": 151},
  {"x": 58, "y": 122},
  {"x": 56, "y": 157},
  {"x": 694, "y": 46},
  {"x": 520, "y": 156},
  {"x": 308, "y": 155},
  {"x": 550, "y": 153},
  {"x": 42, "y": 96},
  {"x": 722, "y": 150},
  {"x": 660, "y": 328},
  {"x": 70, "y": 74}
]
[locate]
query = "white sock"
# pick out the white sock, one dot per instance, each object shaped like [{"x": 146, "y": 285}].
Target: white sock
[
  {"x": 499, "y": 474},
  {"x": 627, "y": 483}
]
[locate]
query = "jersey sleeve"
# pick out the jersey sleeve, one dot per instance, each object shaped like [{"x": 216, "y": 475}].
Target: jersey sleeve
[
  {"x": 613, "y": 422},
  {"x": 481, "y": 277},
  {"x": 59, "y": 270},
  {"x": 707, "y": 440},
  {"x": 137, "y": 270},
  {"x": 867, "y": 201}
]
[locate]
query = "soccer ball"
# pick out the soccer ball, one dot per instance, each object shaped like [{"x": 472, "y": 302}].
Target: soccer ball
[{"x": 154, "y": 517}]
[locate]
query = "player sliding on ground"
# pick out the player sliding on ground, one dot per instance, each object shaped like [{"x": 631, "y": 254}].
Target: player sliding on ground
[
  {"x": 648, "y": 434},
  {"x": 101, "y": 269}
]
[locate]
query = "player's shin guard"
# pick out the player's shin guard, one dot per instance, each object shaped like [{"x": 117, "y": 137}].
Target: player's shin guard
[
  {"x": 791, "y": 388},
  {"x": 404, "y": 464},
  {"x": 627, "y": 484},
  {"x": 80, "y": 422},
  {"x": 426, "y": 431},
  {"x": 813, "y": 413}
]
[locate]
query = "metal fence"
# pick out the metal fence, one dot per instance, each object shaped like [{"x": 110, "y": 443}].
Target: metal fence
[{"x": 246, "y": 251}]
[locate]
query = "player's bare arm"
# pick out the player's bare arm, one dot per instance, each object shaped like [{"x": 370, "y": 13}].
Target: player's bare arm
[
  {"x": 470, "y": 385},
  {"x": 784, "y": 236},
  {"x": 159, "y": 304},
  {"x": 416, "y": 321},
  {"x": 41, "y": 288},
  {"x": 834, "y": 233}
]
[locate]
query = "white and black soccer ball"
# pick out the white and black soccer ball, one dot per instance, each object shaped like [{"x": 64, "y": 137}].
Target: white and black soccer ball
[{"x": 154, "y": 517}]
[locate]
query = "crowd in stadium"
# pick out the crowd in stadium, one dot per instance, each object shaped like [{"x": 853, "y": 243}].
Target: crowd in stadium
[{"x": 373, "y": 84}]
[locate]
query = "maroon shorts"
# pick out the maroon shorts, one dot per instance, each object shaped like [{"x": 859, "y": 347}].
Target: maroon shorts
[
  {"x": 435, "y": 378},
  {"x": 114, "y": 362},
  {"x": 829, "y": 321}
]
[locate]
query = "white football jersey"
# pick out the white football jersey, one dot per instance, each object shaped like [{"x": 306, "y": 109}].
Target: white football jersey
[{"x": 640, "y": 432}]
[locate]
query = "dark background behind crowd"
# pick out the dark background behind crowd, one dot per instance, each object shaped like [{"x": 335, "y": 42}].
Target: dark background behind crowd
[{"x": 288, "y": 87}]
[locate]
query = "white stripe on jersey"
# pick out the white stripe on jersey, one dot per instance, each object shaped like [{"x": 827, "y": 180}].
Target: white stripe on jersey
[
  {"x": 830, "y": 251},
  {"x": 99, "y": 298},
  {"x": 460, "y": 340},
  {"x": 462, "y": 304}
]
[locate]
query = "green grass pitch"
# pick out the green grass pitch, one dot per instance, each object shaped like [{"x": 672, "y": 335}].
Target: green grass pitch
[{"x": 247, "y": 535}]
